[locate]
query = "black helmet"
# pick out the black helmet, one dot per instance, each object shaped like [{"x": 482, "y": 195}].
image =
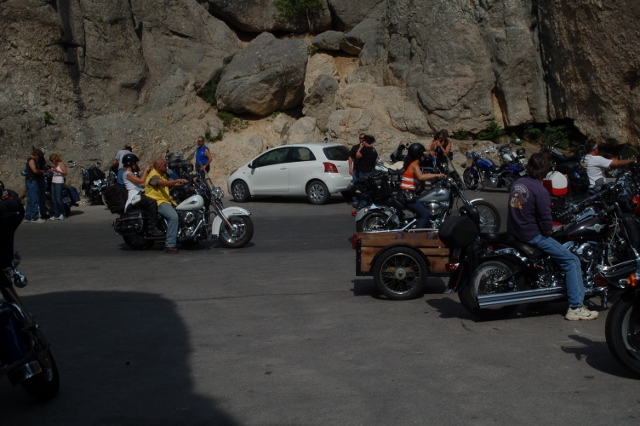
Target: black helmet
[
  {"x": 129, "y": 160},
  {"x": 416, "y": 150}
]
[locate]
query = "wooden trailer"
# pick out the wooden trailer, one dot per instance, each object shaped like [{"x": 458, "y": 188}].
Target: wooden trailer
[{"x": 400, "y": 262}]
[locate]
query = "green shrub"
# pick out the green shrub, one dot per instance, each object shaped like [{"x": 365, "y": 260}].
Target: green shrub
[
  {"x": 492, "y": 132},
  {"x": 208, "y": 93},
  {"x": 48, "y": 118},
  {"x": 461, "y": 135},
  {"x": 295, "y": 10},
  {"x": 532, "y": 134},
  {"x": 560, "y": 135},
  {"x": 227, "y": 118}
]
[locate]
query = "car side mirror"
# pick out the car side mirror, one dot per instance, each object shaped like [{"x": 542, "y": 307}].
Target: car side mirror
[{"x": 251, "y": 165}]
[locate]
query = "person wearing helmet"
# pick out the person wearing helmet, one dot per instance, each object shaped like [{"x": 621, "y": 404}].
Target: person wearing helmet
[
  {"x": 410, "y": 178},
  {"x": 135, "y": 188}
]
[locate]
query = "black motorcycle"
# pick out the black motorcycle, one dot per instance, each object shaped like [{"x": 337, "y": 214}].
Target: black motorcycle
[
  {"x": 94, "y": 181},
  {"x": 494, "y": 273},
  {"x": 25, "y": 357}
]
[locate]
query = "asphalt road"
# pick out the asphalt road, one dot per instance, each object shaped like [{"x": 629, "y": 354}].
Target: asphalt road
[{"x": 282, "y": 332}]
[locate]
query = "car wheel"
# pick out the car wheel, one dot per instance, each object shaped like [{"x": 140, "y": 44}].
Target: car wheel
[
  {"x": 317, "y": 192},
  {"x": 240, "y": 191}
]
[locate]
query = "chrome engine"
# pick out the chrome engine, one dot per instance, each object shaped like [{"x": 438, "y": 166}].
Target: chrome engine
[{"x": 191, "y": 225}]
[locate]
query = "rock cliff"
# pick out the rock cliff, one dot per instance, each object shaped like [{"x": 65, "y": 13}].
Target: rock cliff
[{"x": 85, "y": 77}]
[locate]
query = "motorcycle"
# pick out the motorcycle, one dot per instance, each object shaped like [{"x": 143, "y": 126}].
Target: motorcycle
[
  {"x": 197, "y": 204},
  {"x": 622, "y": 328},
  {"x": 493, "y": 274},
  {"x": 94, "y": 181},
  {"x": 25, "y": 355},
  {"x": 576, "y": 178},
  {"x": 485, "y": 172},
  {"x": 440, "y": 199}
]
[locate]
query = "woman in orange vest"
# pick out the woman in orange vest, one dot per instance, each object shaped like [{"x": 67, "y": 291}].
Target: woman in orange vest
[{"x": 411, "y": 177}]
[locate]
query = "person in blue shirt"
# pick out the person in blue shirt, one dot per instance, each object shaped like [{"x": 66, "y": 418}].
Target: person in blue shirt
[
  {"x": 529, "y": 221},
  {"x": 203, "y": 158}
]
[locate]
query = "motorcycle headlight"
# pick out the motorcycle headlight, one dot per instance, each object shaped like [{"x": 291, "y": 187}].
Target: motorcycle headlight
[{"x": 218, "y": 192}]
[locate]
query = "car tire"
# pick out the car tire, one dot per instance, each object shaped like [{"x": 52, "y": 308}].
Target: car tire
[
  {"x": 317, "y": 192},
  {"x": 240, "y": 191}
]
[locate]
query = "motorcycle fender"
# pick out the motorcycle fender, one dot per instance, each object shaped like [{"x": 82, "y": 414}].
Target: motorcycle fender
[
  {"x": 229, "y": 211},
  {"x": 363, "y": 211},
  {"x": 476, "y": 199}
]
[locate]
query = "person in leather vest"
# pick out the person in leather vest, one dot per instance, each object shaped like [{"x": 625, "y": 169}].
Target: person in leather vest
[{"x": 34, "y": 181}]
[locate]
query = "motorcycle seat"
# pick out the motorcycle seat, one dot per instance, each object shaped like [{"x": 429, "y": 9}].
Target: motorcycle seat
[
  {"x": 508, "y": 239},
  {"x": 396, "y": 172}
]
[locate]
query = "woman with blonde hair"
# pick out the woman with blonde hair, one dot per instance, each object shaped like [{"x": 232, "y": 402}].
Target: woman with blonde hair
[{"x": 57, "y": 183}]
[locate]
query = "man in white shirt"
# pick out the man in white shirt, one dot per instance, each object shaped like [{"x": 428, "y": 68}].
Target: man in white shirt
[{"x": 597, "y": 164}]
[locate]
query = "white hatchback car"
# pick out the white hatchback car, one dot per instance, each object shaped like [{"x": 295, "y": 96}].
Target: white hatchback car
[{"x": 315, "y": 170}]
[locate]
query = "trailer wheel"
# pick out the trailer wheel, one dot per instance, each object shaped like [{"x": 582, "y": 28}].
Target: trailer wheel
[{"x": 400, "y": 273}]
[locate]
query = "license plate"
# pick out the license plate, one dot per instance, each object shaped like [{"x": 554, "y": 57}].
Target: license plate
[
  {"x": 97, "y": 182},
  {"x": 522, "y": 173}
]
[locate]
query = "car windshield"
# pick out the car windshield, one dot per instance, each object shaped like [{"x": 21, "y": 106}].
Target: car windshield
[{"x": 336, "y": 153}]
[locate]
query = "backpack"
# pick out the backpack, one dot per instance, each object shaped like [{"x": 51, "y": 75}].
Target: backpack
[{"x": 115, "y": 197}]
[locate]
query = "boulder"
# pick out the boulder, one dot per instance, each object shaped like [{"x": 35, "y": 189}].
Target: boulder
[
  {"x": 266, "y": 76},
  {"x": 257, "y": 16},
  {"x": 304, "y": 130},
  {"x": 366, "y": 31},
  {"x": 328, "y": 40},
  {"x": 349, "y": 13},
  {"x": 320, "y": 102}
]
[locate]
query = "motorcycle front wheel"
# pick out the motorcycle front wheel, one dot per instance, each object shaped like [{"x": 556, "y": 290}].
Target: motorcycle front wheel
[
  {"x": 489, "y": 217},
  {"x": 374, "y": 221},
  {"x": 136, "y": 242},
  {"x": 43, "y": 386},
  {"x": 622, "y": 331},
  {"x": 482, "y": 283},
  {"x": 470, "y": 177},
  {"x": 239, "y": 234}
]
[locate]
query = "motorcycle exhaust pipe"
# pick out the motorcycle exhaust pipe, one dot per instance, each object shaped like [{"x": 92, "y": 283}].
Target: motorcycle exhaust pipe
[{"x": 519, "y": 297}]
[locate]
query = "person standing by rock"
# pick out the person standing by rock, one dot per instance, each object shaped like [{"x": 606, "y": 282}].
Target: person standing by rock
[
  {"x": 367, "y": 157},
  {"x": 441, "y": 147},
  {"x": 118, "y": 160},
  {"x": 203, "y": 158},
  {"x": 353, "y": 162},
  {"x": 57, "y": 184},
  {"x": 34, "y": 179}
]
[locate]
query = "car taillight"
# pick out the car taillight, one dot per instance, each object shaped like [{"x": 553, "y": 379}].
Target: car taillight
[{"x": 330, "y": 168}]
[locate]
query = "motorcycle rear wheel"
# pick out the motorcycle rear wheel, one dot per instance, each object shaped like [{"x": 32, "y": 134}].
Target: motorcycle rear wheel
[
  {"x": 45, "y": 385},
  {"x": 374, "y": 221},
  {"x": 622, "y": 331},
  {"x": 240, "y": 235},
  {"x": 400, "y": 273},
  {"x": 485, "y": 274},
  {"x": 470, "y": 178},
  {"x": 136, "y": 242}
]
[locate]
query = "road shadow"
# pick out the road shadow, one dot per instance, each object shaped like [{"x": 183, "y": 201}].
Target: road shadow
[
  {"x": 367, "y": 287},
  {"x": 123, "y": 360},
  {"x": 597, "y": 356}
]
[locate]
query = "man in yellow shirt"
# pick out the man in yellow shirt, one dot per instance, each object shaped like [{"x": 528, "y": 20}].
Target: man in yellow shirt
[{"x": 157, "y": 187}]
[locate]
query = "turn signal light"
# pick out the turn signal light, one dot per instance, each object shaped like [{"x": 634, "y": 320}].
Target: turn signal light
[
  {"x": 330, "y": 168},
  {"x": 632, "y": 280},
  {"x": 451, "y": 267}
]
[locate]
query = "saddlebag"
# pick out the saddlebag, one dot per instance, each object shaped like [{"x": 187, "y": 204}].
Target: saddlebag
[
  {"x": 458, "y": 231},
  {"x": 115, "y": 197},
  {"x": 130, "y": 223}
]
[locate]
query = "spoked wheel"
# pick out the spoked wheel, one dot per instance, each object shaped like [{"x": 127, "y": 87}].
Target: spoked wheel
[
  {"x": 43, "y": 386},
  {"x": 375, "y": 221},
  {"x": 400, "y": 273},
  {"x": 240, "y": 232},
  {"x": 470, "y": 178},
  {"x": 136, "y": 242},
  {"x": 622, "y": 331},
  {"x": 489, "y": 216},
  {"x": 486, "y": 281}
]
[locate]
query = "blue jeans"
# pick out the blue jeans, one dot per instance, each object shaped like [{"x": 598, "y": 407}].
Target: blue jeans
[
  {"x": 120, "y": 179},
  {"x": 421, "y": 211},
  {"x": 569, "y": 262},
  {"x": 33, "y": 200},
  {"x": 56, "y": 199},
  {"x": 167, "y": 211}
]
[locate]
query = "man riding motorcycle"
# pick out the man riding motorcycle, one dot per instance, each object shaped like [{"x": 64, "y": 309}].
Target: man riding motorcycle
[{"x": 157, "y": 187}]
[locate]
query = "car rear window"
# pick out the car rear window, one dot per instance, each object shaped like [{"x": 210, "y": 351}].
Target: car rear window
[{"x": 336, "y": 153}]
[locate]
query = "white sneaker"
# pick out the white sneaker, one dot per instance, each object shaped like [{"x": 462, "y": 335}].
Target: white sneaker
[
  {"x": 54, "y": 218},
  {"x": 39, "y": 220},
  {"x": 61, "y": 217},
  {"x": 27, "y": 221},
  {"x": 581, "y": 313}
]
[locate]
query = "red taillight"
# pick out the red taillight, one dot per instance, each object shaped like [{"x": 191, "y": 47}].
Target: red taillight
[
  {"x": 354, "y": 241},
  {"x": 354, "y": 212},
  {"x": 330, "y": 168},
  {"x": 451, "y": 267}
]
